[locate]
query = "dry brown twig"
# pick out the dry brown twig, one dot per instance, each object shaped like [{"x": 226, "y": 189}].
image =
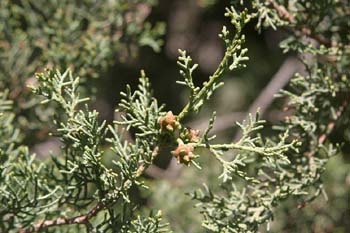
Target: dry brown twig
[{"x": 82, "y": 219}]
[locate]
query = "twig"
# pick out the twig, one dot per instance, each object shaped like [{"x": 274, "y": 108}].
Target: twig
[
  {"x": 82, "y": 219},
  {"x": 221, "y": 123},
  {"x": 228, "y": 120},
  {"x": 321, "y": 39},
  {"x": 282, "y": 11},
  {"x": 212, "y": 80}
]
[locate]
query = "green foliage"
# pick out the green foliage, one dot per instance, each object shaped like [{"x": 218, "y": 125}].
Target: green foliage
[
  {"x": 77, "y": 180},
  {"x": 86, "y": 36},
  {"x": 78, "y": 191},
  {"x": 234, "y": 56}
]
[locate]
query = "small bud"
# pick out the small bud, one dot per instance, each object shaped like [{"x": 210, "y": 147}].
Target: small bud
[
  {"x": 183, "y": 153},
  {"x": 168, "y": 122},
  {"x": 190, "y": 135},
  {"x": 194, "y": 135}
]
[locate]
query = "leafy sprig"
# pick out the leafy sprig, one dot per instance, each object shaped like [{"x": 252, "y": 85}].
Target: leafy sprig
[{"x": 233, "y": 58}]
